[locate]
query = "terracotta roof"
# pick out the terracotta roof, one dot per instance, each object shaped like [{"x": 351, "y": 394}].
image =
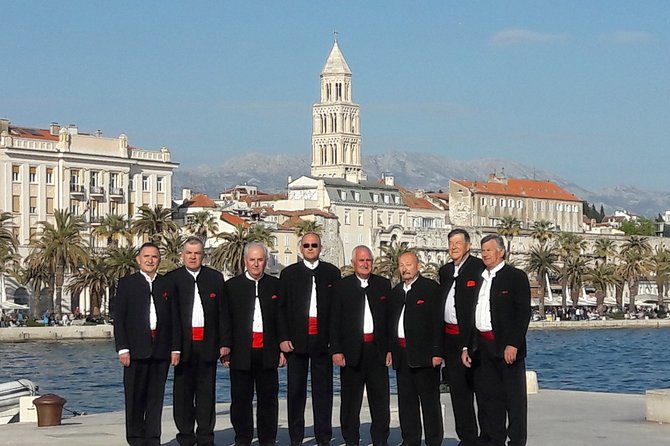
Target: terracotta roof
[
  {"x": 520, "y": 188},
  {"x": 27, "y": 132},
  {"x": 199, "y": 201},
  {"x": 262, "y": 197},
  {"x": 414, "y": 202},
  {"x": 233, "y": 219},
  {"x": 292, "y": 222}
]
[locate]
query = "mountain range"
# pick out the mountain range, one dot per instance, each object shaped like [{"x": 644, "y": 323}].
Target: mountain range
[{"x": 270, "y": 172}]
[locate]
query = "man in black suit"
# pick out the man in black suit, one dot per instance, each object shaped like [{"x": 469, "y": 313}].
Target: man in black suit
[
  {"x": 251, "y": 313},
  {"x": 460, "y": 280},
  {"x": 199, "y": 291},
  {"x": 416, "y": 344},
  {"x": 306, "y": 297},
  {"x": 359, "y": 346},
  {"x": 147, "y": 335},
  {"x": 500, "y": 324}
]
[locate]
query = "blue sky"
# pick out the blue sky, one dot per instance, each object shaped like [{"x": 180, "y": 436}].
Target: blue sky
[{"x": 579, "y": 88}]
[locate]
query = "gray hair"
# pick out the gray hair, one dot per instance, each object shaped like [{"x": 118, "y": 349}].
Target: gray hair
[
  {"x": 353, "y": 251},
  {"x": 310, "y": 233},
  {"x": 192, "y": 240},
  {"x": 249, "y": 246},
  {"x": 497, "y": 238}
]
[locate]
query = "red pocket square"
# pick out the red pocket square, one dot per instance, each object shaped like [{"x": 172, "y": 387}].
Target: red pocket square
[
  {"x": 330, "y": 285},
  {"x": 274, "y": 296},
  {"x": 504, "y": 292},
  {"x": 212, "y": 294},
  {"x": 470, "y": 283},
  {"x": 420, "y": 301},
  {"x": 382, "y": 298},
  {"x": 165, "y": 295}
]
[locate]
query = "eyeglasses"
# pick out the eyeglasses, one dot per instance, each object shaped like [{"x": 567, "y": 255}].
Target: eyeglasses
[{"x": 310, "y": 245}]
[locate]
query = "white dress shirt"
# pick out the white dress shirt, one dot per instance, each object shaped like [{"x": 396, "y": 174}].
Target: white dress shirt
[
  {"x": 401, "y": 322},
  {"x": 368, "y": 323},
  {"x": 483, "y": 309},
  {"x": 257, "y": 325},
  {"x": 198, "y": 315},
  {"x": 312, "y": 297}
]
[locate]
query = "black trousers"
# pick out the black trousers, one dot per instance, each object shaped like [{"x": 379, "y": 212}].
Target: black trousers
[
  {"x": 419, "y": 387},
  {"x": 322, "y": 393},
  {"x": 242, "y": 384},
  {"x": 461, "y": 391},
  {"x": 144, "y": 389},
  {"x": 195, "y": 398},
  {"x": 501, "y": 392},
  {"x": 371, "y": 373}
]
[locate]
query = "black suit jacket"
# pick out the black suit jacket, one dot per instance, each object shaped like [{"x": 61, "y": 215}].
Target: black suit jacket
[
  {"x": 296, "y": 290},
  {"x": 510, "y": 311},
  {"x": 422, "y": 322},
  {"x": 466, "y": 291},
  {"x": 346, "y": 322},
  {"x": 211, "y": 290},
  {"x": 131, "y": 318},
  {"x": 239, "y": 314}
]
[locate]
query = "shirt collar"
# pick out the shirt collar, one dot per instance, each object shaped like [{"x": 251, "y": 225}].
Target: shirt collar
[
  {"x": 408, "y": 287},
  {"x": 149, "y": 279},
  {"x": 193, "y": 273},
  {"x": 311, "y": 265},
  {"x": 364, "y": 282},
  {"x": 488, "y": 275},
  {"x": 246, "y": 273}
]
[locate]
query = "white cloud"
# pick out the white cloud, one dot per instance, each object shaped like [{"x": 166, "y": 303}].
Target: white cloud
[
  {"x": 628, "y": 37},
  {"x": 521, "y": 36}
]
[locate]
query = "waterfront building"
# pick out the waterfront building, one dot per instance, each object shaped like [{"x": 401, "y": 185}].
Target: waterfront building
[
  {"x": 484, "y": 203},
  {"x": 91, "y": 175}
]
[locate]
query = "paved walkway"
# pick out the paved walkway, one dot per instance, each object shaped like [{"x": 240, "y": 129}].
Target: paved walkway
[{"x": 555, "y": 418}]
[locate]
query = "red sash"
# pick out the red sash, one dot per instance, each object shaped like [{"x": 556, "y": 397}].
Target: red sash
[
  {"x": 451, "y": 329},
  {"x": 198, "y": 333},
  {"x": 368, "y": 337},
  {"x": 256, "y": 340},
  {"x": 312, "y": 327}
]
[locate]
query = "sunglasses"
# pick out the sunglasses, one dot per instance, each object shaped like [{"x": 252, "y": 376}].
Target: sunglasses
[{"x": 310, "y": 245}]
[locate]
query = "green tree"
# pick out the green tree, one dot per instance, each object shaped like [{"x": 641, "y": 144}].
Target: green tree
[
  {"x": 634, "y": 266},
  {"x": 9, "y": 259},
  {"x": 569, "y": 247},
  {"x": 202, "y": 225},
  {"x": 170, "y": 247},
  {"x": 229, "y": 255},
  {"x": 542, "y": 231},
  {"x": 306, "y": 226},
  {"x": 94, "y": 277},
  {"x": 386, "y": 265},
  {"x": 119, "y": 262},
  {"x": 641, "y": 226},
  {"x": 601, "y": 277},
  {"x": 154, "y": 222},
  {"x": 59, "y": 248},
  {"x": 572, "y": 274},
  {"x": 605, "y": 248},
  {"x": 509, "y": 227},
  {"x": 542, "y": 261},
  {"x": 660, "y": 269},
  {"x": 114, "y": 228}
]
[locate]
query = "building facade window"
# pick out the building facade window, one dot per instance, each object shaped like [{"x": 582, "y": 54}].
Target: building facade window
[
  {"x": 32, "y": 205},
  {"x": 16, "y": 203},
  {"x": 360, "y": 218},
  {"x": 482, "y": 201},
  {"x": 50, "y": 205},
  {"x": 114, "y": 207},
  {"x": 16, "y": 173},
  {"x": 375, "y": 198},
  {"x": 347, "y": 217},
  {"x": 160, "y": 184},
  {"x": 32, "y": 174},
  {"x": 131, "y": 183},
  {"x": 343, "y": 195},
  {"x": 50, "y": 176},
  {"x": 390, "y": 218},
  {"x": 357, "y": 196},
  {"x": 145, "y": 183},
  {"x": 401, "y": 219}
]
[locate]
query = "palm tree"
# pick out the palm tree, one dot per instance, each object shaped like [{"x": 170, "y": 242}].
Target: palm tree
[
  {"x": 113, "y": 228},
  {"x": 154, "y": 222},
  {"x": 572, "y": 273},
  {"x": 569, "y": 247},
  {"x": 431, "y": 270},
  {"x": 605, "y": 248},
  {"x": 542, "y": 231},
  {"x": 59, "y": 248},
  {"x": 542, "y": 261},
  {"x": 92, "y": 276},
  {"x": 638, "y": 244},
  {"x": 635, "y": 266},
  {"x": 38, "y": 279},
  {"x": 386, "y": 265},
  {"x": 601, "y": 277},
  {"x": 307, "y": 226},
  {"x": 229, "y": 255},
  {"x": 202, "y": 225},
  {"x": 170, "y": 247},
  {"x": 8, "y": 245},
  {"x": 509, "y": 227},
  {"x": 119, "y": 262},
  {"x": 660, "y": 268}
]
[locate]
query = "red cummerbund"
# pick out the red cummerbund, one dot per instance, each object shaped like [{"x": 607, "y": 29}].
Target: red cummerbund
[
  {"x": 402, "y": 342},
  {"x": 312, "y": 327},
  {"x": 451, "y": 329},
  {"x": 368, "y": 337},
  {"x": 198, "y": 333},
  {"x": 153, "y": 334},
  {"x": 487, "y": 335},
  {"x": 256, "y": 340}
]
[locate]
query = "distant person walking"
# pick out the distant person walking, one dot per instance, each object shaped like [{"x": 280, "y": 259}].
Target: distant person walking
[{"x": 147, "y": 334}]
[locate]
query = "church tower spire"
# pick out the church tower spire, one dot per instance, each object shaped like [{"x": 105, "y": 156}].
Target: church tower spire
[{"x": 336, "y": 136}]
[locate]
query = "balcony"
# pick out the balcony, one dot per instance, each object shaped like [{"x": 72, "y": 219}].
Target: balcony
[
  {"x": 95, "y": 220},
  {"x": 77, "y": 189},
  {"x": 116, "y": 193},
  {"x": 97, "y": 190}
]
